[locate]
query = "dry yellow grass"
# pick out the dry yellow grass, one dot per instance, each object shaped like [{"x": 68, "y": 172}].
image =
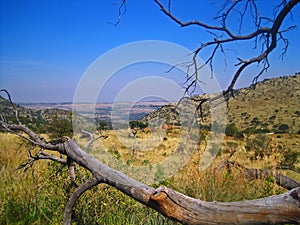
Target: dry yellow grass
[
  {"x": 42, "y": 191},
  {"x": 38, "y": 196},
  {"x": 210, "y": 184}
]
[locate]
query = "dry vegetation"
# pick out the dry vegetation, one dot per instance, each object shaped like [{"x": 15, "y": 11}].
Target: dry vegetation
[{"x": 38, "y": 195}]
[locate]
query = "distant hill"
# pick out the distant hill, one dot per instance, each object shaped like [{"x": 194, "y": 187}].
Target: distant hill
[
  {"x": 38, "y": 115},
  {"x": 34, "y": 119},
  {"x": 103, "y": 110},
  {"x": 272, "y": 105}
]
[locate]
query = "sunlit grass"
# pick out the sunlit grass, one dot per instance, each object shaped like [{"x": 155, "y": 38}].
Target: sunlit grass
[{"x": 38, "y": 196}]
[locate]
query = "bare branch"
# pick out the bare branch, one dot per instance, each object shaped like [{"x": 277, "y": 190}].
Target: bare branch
[
  {"x": 91, "y": 137},
  {"x": 44, "y": 155},
  {"x": 121, "y": 11},
  {"x": 12, "y": 104},
  {"x": 27, "y": 134},
  {"x": 212, "y": 27},
  {"x": 250, "y": 174},
  {"x": 41, "y": 155},
  {"x": 71, "y": 168},
  {"x": 74, "y": 197},
  {"x": 266, "y": 35},
  {"x": 32, "y": 137}
]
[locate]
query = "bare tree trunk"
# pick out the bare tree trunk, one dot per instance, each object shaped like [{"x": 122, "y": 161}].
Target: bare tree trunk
[{"x": 284, "y": 208}]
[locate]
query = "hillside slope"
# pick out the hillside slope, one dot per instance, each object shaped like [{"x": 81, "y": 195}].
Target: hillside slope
[
  {"x": 273, "y": 105},
  {"x": 34, "y": 119}
]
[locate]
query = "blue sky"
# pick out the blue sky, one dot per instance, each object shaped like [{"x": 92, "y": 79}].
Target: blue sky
[{"x": 46, "y": 46}]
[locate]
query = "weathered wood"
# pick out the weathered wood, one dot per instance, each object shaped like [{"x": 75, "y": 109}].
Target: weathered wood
[
  {"x": 284, "y": 208},
  {"x": 254, "y": 173},
  {"x": 271, "y": 210},
  {"x": 280, "y": 179},
  {"x": 75, "y": 195}
]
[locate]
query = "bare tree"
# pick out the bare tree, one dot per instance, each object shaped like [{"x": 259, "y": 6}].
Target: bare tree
[
  {"x": 267, "y": 32},
  {"x": 284, "y": 208}
]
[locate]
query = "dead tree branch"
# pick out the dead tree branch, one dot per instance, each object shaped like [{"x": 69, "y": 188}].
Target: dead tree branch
[
  {"x": 39, "y": 156},
  {"x": 121, "y": 11},
  {"x": 267, "y": 36},
  {"x": 74, "y": 197},
  {"x": 91, "y": 137},
  {"x": 253, "y": 173}
]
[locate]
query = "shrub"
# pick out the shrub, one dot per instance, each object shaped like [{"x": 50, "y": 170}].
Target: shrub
[
  {"x": 290, "y": 158},
  {"x": 272, "y": 117},
  {"x": 60, "y": 126},
  {"x": 255, "y": 121},
  {"x": 104, "y": 125},
  {"x": 231, "y": 130},
  {"x": 137, "y": 124},
  {"x": 260, "y": 145},
  {"x": 282, "y": 128}
]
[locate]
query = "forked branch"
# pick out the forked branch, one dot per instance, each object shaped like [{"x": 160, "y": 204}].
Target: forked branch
[{"x": 267, "y": 36}]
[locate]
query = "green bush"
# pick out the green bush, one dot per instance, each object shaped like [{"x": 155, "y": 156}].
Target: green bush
[
  {"x": 104, "y": 125},
  {"x": 283, "y": 128},
  {"x": 260, "y": 145},
  {"x": 137, "y": 124},
  {"x": 231, "y": 130},
  {"x": 290, "y": 159},
  {"x": 60, "y": 126}
]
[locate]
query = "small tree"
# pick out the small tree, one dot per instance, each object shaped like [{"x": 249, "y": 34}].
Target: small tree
[
  {"x": 60, "y": 126},
  {"x": 136, "y": 124},
  {"x": 282, "y": 128},
  {"x": 290, "y": 159},
  {"x": 260, "y": 145}
]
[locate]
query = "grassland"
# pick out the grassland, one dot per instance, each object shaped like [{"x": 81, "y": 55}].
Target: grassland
[{"x": 39, "y": 194}]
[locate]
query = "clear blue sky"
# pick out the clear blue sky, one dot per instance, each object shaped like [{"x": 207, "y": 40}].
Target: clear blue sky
[{"x": 45, "y": 46}]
